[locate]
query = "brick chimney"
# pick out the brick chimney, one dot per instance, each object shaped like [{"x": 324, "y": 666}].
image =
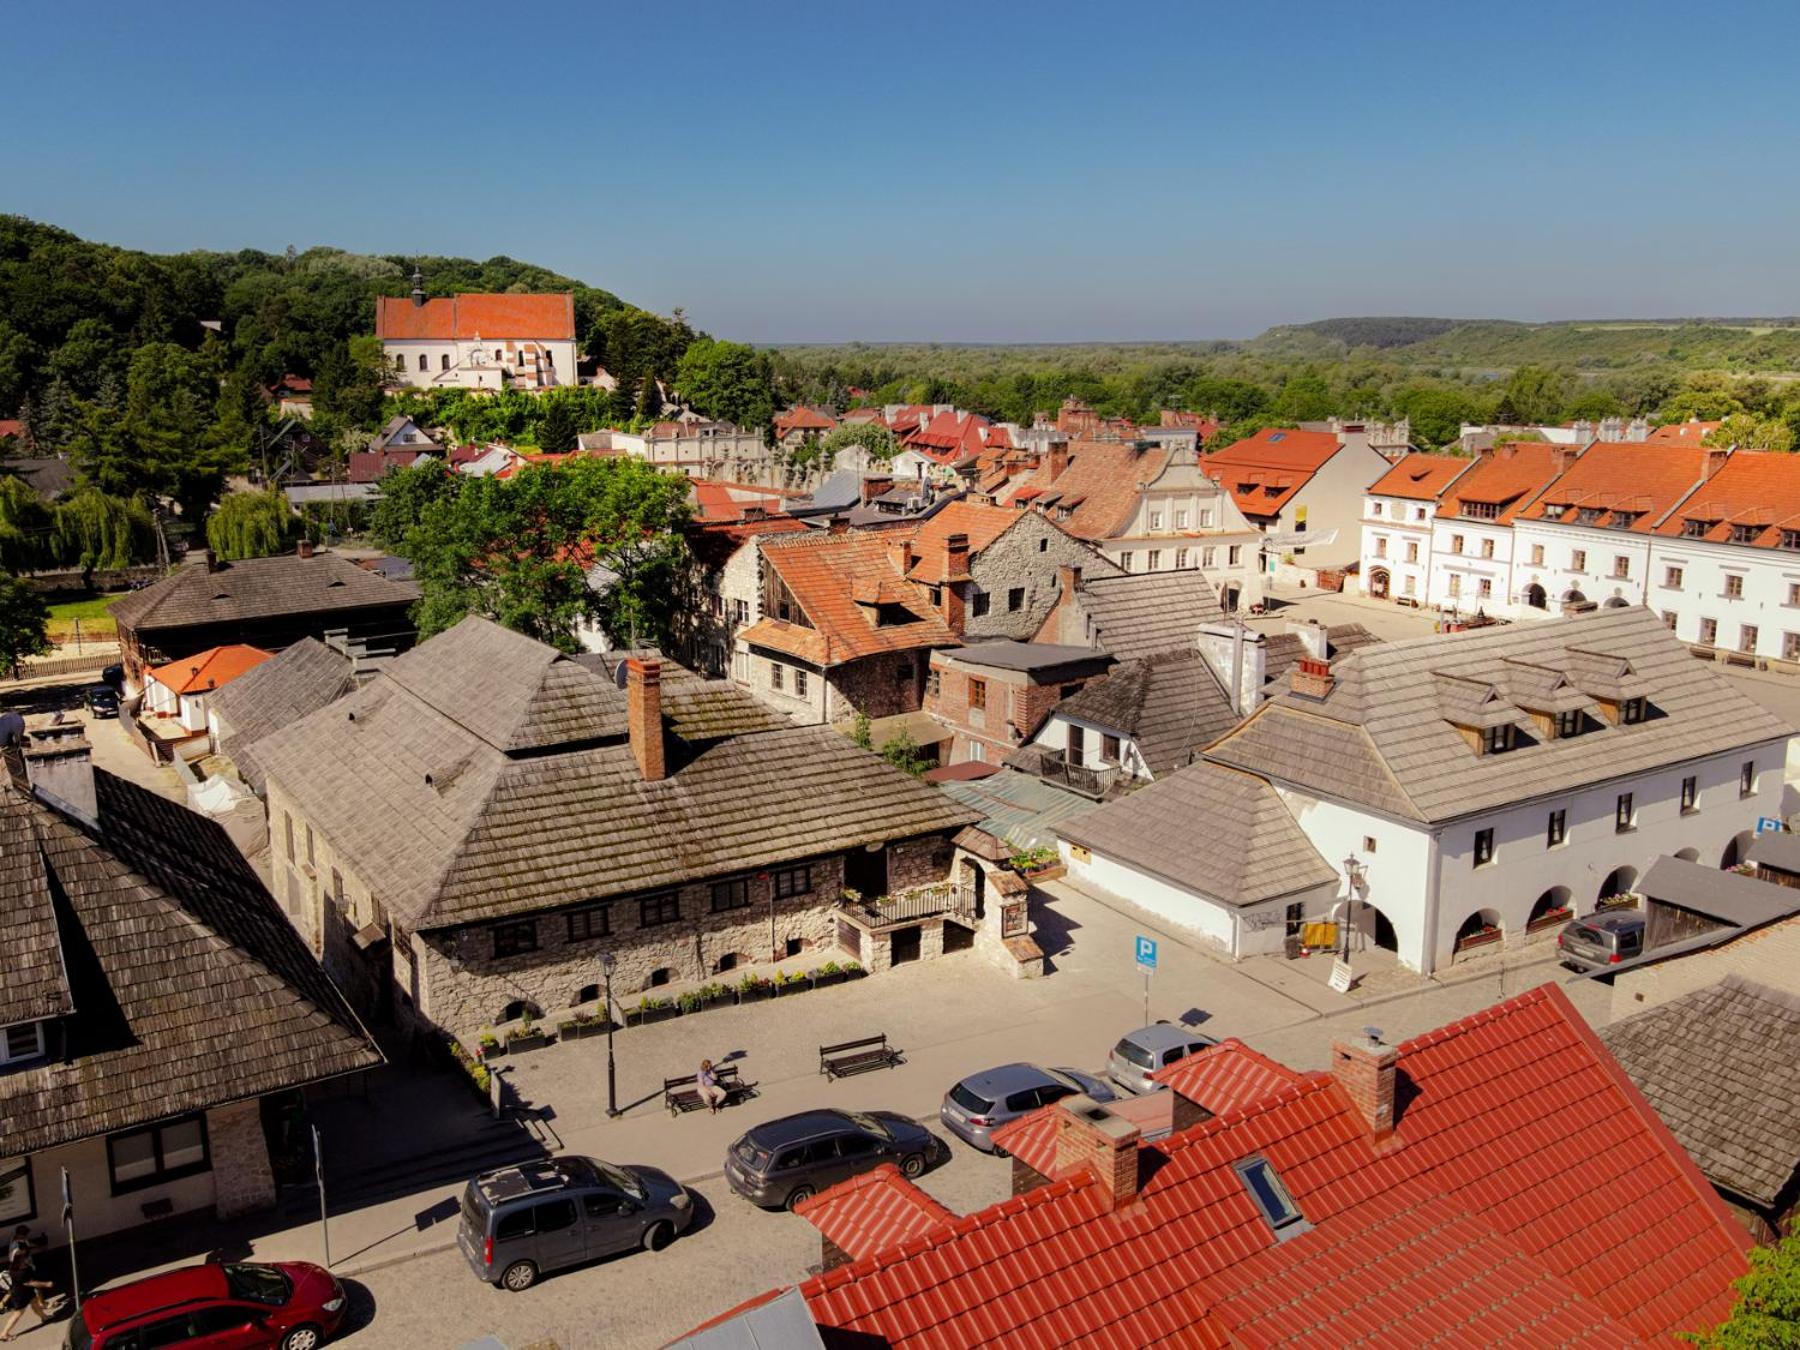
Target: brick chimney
[
  {"x": 643, "y": 717},
  {"x": 1068, "y": 580},
  {"x": 1367, "y": 1069},
  {"x": 1056, "y": 456},
  {"x": 59, "y": 766},
  {"x": 956, "y": 555},
  {"x": 873, "y": 486},
  {"x": 1561, "y": 456},
  {"x": 305, "y": 550},
  {"x": 900, "y": 553},
  {"x": 1312, "y": 677},
  {"x": 1715, "y": 460},
  {"x": 1089, "y": 1136}
]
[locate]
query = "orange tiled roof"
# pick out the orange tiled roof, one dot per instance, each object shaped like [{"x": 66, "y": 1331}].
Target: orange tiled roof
[
  {"x": 1419, "y": 477},
  {"x": 802, "y": 418},
  {"x": 1682, "y": 433},
  {"x": 981, "y": 523},
  {"x": 1753, "y": 499},
  {"x": 1508, "y": 477},
  {"x": 874, "y": 1211},
  {"x": 1468, "y": 1227},
  {"x": 1263, "y": 472},
  {"x": 1228, "y": 1077},
  {"x": 547, "y": 318},
  {"x": 1620, "y": 477},
  {"x": 825, "y": 573},
  {"x": 714, "y": 500},
  {"x": 208, "y": 670},
  {"x": 1099, "y": 488}
]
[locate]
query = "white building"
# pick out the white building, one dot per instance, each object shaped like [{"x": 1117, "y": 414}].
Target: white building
[
  {"x": 1473, "y": 548},
  {"x": 1493, "y": 782},
  {"x": 1183, "y": 520},
  {"x": 1396, "y": 530},
  {"x": 478, "y": 341},
  {"x": 1290, "y": 483}
]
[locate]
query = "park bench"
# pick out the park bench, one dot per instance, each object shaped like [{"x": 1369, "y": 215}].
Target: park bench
[
  {"x": 859, "y": 1056},
  {"x": 682, "y": 1094}
]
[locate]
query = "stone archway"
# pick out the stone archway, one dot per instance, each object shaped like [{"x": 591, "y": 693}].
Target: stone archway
[
  {"x": 1536, "y": 597},
  {"x": 1737, "y": 849},
  {"x": 1480, "y": 931},
  {"x": 1618, "y": 882},
  {"x": 1379, "y": 583}
]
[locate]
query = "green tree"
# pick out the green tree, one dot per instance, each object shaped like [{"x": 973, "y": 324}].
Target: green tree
[
  {"x": 1437, "y": 415},
  {"x": 405, "y": 496},
  {"x": 557, "y": 432},
  {"x": 861, "y": 731},
  {"x": 1751, "y": 432},
  {"x": 27, "y": 527},
  {"x": 97, "y": 532},
  {"x": 1535, "y": 395},
  {"x": 650, "y": 400},
  {"x": 903, "y": 752},
  {"x": 1767, "y": 1313},
  {"x": 729, "y": 381},
  {"x": 250, "y": 525},
  {"x": 881, "y": 443},
  {"x": 24, "y": 622}
]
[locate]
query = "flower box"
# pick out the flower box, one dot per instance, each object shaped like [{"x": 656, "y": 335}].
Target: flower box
[
  {"x": 580, "y": 1028},
  {"x": 785, "y": 986},
  {"x": 651, "y": 1010},
  {"x": 1481, "y": 939},
  {"x": 755, "y": 991},
  {"x": 489, "y": 1049},
  {"x": 1550, "y": 918},
  {"x": 852, "y": 971},
  {"x": 1049, "y": 872},
  {"x": 521, "y": 1041}
]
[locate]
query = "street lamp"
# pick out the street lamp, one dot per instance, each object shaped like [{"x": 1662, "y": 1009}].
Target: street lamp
[
  {"x": 607, "y": 962},
  {"x": 1356, "y": 885}
]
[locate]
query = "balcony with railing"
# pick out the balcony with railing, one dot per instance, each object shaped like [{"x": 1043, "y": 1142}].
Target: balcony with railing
[
  {"x": 1053, "y": 766},
  {"x": 913, "y": 905}
]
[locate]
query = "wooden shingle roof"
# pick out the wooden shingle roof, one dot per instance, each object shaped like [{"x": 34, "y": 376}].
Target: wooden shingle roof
[
  {"x": 257, "y": 588},
  {"x": 1142, "y": 613},
  {"x": 190, "y": 988},
  {"x": 300, "y": 680},
  {"x": 1172, "y": 705}
]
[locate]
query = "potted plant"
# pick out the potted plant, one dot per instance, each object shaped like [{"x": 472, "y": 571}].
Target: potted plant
[
  {"x": 488, "y": 1044},
  {"x": 828, "y": 974},
  {"x": 1038, "y": 863},
  {"x": 692, "y": 1001},
  {"x": 792, "y": 982},
  {"x": 651, "y": 1010},
  {"x": 754, "y": 988},
  {"x": 713, "y": 994},
  {"x": 527, "y": 1035},
  {"x": 578, "y": 1025},
  {"x": 853, "y": 970}
]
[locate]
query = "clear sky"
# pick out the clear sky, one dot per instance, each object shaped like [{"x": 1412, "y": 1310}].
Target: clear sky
[{"x": 967, "y": 171}]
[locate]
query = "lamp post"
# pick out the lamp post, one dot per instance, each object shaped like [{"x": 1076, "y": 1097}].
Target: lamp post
[
  {"x": 607, "y": 962},
  {"x": 1356, "y": 886}
]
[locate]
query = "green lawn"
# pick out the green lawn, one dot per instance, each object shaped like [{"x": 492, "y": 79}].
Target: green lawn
[{"x": 92, "y": 612}]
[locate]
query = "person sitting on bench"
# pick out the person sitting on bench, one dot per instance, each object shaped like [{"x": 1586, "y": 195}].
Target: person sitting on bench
[{"x": 708, "y": 1086}]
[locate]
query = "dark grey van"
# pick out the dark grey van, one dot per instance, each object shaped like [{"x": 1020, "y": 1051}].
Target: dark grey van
[
  {"x": 522, "y": 1222},
  {"x": 1602, "y": 940}
]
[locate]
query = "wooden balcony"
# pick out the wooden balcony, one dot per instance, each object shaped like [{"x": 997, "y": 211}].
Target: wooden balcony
[{"x": 912, "y": 906}]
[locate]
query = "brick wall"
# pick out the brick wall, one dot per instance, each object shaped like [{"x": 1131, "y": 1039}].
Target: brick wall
[
  {"x": 243, "y": 1181},
  {"x": 879, "y": 686}
]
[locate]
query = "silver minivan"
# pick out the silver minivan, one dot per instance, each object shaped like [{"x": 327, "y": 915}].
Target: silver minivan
[
  {"x": 522, "y": 1222},
  {"x": 1142, "y": 1052},
  {"x": 1602, "y": 940}
]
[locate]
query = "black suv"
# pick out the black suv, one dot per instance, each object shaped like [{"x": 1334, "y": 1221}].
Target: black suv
[
  {"x": 782, "y": 1162},
  {"x": 520, "y": 1222}
]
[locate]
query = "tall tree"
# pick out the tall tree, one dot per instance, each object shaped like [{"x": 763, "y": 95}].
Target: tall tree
[
  {"x": 24, "y": 622},
  {"x": 250, "y": 525},
  {"x": 558, "y": 429},
  {"x": 728, "y": 380},
  {"x": 1767, "y": 1313},
  {"x": 650, "y": 402},
  {"x": 405, "y": 496}
]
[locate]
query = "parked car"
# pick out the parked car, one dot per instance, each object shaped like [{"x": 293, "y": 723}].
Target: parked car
[
  {"x": 982, "y": 1101},
  {"x": 114, "y": 675},
  {"x": 102, "y": 700},
  {"x": 293, "y": 1305},
  {"x": 1142, "y": 1052},
  {"x": 782, "y": 1162},
  {"x": 1601, "y": 940},
  {"x": 522, "y": 1222}
]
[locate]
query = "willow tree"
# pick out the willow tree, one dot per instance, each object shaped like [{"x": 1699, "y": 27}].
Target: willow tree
[
  {"x": 27, "y": 528},
  {"x": 250, "y": 525},
  {"x": 97, "y": 532}
]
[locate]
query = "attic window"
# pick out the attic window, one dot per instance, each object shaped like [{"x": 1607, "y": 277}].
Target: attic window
[
  {"x": 1745, "y": 534},
  {"x": 1482, "y": 510},
  {"x": 1497, "y": 740},
  {"x": 1695, "y": 528},
  {"x": 1568, "y": 724},
  {"x": 1588, "y": 515},
  {"x": 1554, "y": 511},
  {"x": 1632, "y": 711},
  {"x": 1279, "y": 435},
  {"x": 1271, "y": 1198},
  {"x": 1624, "y": 520},
  {"x": 1790, "y": 538}
]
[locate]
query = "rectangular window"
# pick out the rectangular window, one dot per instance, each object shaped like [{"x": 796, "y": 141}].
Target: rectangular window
[
  {"x": 1206, "y": 518},
  {"x": 1015, "y": 598},
  {"x": 1631, "y": 712},
  {"x": 1709, "y": 632},
  {"x": 1381, "y": 546},
  {"x": 1456, "y": 543},
  {"x": 1410, "y": 585},
  {"x": 1156, "y": 520},
  {"x": 978, "y": 604},
  {"x": 1375, "y": 508},
  {"x": 1155, "y": 560},
  {"x": 1794, "y": 593},
  {"x": 1455, "y": 584},
  {"x": 1109, "y": 748},
  {"x": 1181, "y": 559},
  {"x": 309, "y": 844},
  {"x": 18, "y": 1195},
  {"x": 1207, "y": 555},
  {"x": 1537, "y": 555},
  {"x": 1568, "y": 724},
  {"x": 1484, "y": 847},
  {"x": 1690, "y": 795},
  {"x": 1271, "y": 1196},
  {"x": 1487, "y": 548},
  {"x": 515, "y": 939},
  {"x": 1578, "y": 560},
  {"x": 1558, "y": 829},
  {"x": 654, "y": 910},
  {"x": 978, "y": 695},
  {"x": 22, "y": 1041},
  {"x": 1747, "y": 779},
  {"x": 157, "y": 1154},
  {"x": 934, "y": 681},
  {"x": 800, "y": 683},
  {"x": 1734, "y": 586},
  {"x": 1234, "y": 554},
  {"x": 733, "y": 894},
  {"x": 1125, "y": 561},
  {"x": 1496, "y": 740},
  {"x": 590, "y": 922},
  {"x": 1670, "y": 619},
  {"x": 287, "y": 826},
  {"x": 792, "y": 881},
  {"x": 1412, "y": 550},
  {"x": 775, "y": 674},
  {"x": 1790, "y": 646},
  {"x": 1747, "y": 635},
  {"x": 1485, "y": 587},
  {"x": 1180, "y": 518},
  {"x": 1623, "y": 813},
  {"x": 1621, "y": 567},
  {"x": 1672, "y": 578}
]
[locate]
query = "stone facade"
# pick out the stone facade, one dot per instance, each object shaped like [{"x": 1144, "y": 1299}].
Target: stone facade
[
  {"x": 1016, "y": 574},
  {"x": 1016, "y": 704},
  {"x": 243, "y": 1180}
]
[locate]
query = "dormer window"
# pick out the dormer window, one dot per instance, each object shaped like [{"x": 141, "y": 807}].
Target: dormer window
[
  {"x": 1790, "y": 538},
  {"x": 21, "y": 1042},
  {"x": 1695, "y": 528},
  {"x": 1497, "y": 740},
  {"x": 1745, "y": 534},
  {"x": 1632, "y": 711},
  {"x": 1568, "y": 724},
  {"x": 1482, "y": 510},
  {"x": 1624, "y": 520},
  {"x": 1554, "y": 511}
]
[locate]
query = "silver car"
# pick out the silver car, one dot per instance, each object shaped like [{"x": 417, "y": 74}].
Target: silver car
[
  {"x": 982, "y": 1102},
  {"x": 1144, "y": 1051},
  {"x": 1601, "y": 940}
]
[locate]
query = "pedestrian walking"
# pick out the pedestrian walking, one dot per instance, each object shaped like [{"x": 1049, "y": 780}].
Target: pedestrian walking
[
  {"x": 22, "y": 1290},
  {"x": 708, "y": 1084}
]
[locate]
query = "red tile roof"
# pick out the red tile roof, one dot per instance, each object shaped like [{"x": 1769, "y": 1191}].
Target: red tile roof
[
  {"x": 872, "y": 1212},
  {"x": 1420, "y": 477},
  {"x": 1753, "y": 499},
  {"x": 371, "y": 466},
  {"x": 547, "y": 318},
  {"x": 1032, "y": 1137},
  {"x": 951, "y": 435},
  {"x": 825, "y": 573},
  {"x": 1614, "y": 477},
  {"x": 802, "y": 418},
  {"x": 1509, "y": 477},
  {"x": 1263, "y": 472},
  {"x": 982, "y": 524},
  {"x": 714, "y": 500},
  {"x": 1528, "y": 1196},
  {"x": 1683, "y": 433},
  {"x": 211, "y": 669},
  {"x": 12, "y": 426},
  {"x": 1228, "y": 1076},
  {"x": 1099, "y": 489}
]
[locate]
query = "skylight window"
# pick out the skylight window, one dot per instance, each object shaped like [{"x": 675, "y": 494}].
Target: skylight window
[
  {"x": 1272, "y": 1198},
  {"x": 1277, "y": 436}
]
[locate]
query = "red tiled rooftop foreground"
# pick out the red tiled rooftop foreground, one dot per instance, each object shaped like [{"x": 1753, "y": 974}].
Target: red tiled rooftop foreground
[{"x": 1468, "y": 1225}]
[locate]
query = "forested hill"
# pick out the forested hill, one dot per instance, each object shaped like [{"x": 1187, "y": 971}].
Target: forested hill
[{"x": 72, "y": 312}]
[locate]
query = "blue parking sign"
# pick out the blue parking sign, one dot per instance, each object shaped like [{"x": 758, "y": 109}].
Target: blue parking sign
[{"x": 1146, "y": 952}]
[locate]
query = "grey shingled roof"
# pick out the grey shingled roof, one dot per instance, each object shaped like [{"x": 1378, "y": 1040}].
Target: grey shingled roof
[
  {"x": 48, "y": 477},
  {"x": 1142, "y": 613},
  {"x": 413, "y": 779},
  {"x": 1722, "y": 1068},
  {"x": 191, "y": 989},
  {"x": 1381, "y": 739},
  {"x": 36, "y": 985},
  {"x": 290, "y": 685},
  {"x": 1025, "y": 656},
  {"x": 1208, "y": 829},
  {"x": 695, "y": 708},
  {"x": 1727, "y": 896},
  {"x": 257, "y": 588},
  {"x": 1172, "y": 705},
  {"x": 1281, "y": 650}
]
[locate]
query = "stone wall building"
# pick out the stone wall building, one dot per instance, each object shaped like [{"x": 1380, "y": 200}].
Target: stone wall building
[{"x": 462, "y": 838}]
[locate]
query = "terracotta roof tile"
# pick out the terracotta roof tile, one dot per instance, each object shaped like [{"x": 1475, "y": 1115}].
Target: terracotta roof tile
[
  {"x": 547, "y": 318},
  {"x": 1508, "y": 477},
  {"x": 1753, "y": 499},
  {"x": 873, "y": 1212},
  {"x": 802, "y": 418},
  {"x": 1420, "y": 477},
  {"x": 1263, "y": 472},
  {"x": 982, "y": 524},
  {"x": 1099, "y": 487},
  {"x": 825, "y": 573},
  {"x": 1614, "y": 477},
  {"x": 1683, "y": 433},
  {"x": 211, "y": 669},
  {"x": 1227, "y": 1077}
]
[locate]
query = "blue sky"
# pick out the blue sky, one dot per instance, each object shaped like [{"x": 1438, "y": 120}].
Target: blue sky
[{"x": 956, "y": 172}]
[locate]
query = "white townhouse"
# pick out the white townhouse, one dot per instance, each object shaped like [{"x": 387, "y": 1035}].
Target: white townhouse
[
  {"x": 478, "y": 341},
  {"x": 1588, "y": 537},
  {"x": 1473, "y": 542},
  {"x": 1486, "y": 785},
  {"x": 1184, "y": 520},
  {"x": 1294, "y": 485},
  {"x": 1396, "y": 530}
]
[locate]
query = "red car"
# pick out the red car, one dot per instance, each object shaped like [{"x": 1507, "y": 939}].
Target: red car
[{"x": 238, "y": 1305}]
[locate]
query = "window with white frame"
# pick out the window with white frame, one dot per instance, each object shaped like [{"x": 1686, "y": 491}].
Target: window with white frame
[
  {"x": 1208, "y": 556},
  {"x": 1734, "y": 586},
  {"x": 18, "y": 1195},
  {"x": 157, "y": 1154},
  {"x": 22, "y": 1041}
]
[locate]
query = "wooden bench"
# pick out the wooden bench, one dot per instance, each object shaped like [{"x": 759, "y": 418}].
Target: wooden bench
[
  {"x": 681, "y": 1095},
  {"x": 859, "y": 1056}
]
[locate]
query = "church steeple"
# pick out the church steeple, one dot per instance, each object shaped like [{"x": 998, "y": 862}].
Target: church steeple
[{"x": 418, "y": 290}]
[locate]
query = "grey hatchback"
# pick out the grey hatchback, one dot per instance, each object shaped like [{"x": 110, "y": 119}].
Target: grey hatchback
[
  {"x": 1142, "y": 1052},
  {"x": 521, "y": 1222},
  {"x": 781, "y": 1162},
  {"x": 1602, "y": 940},
  {"x": 974, "y": 1107}
]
